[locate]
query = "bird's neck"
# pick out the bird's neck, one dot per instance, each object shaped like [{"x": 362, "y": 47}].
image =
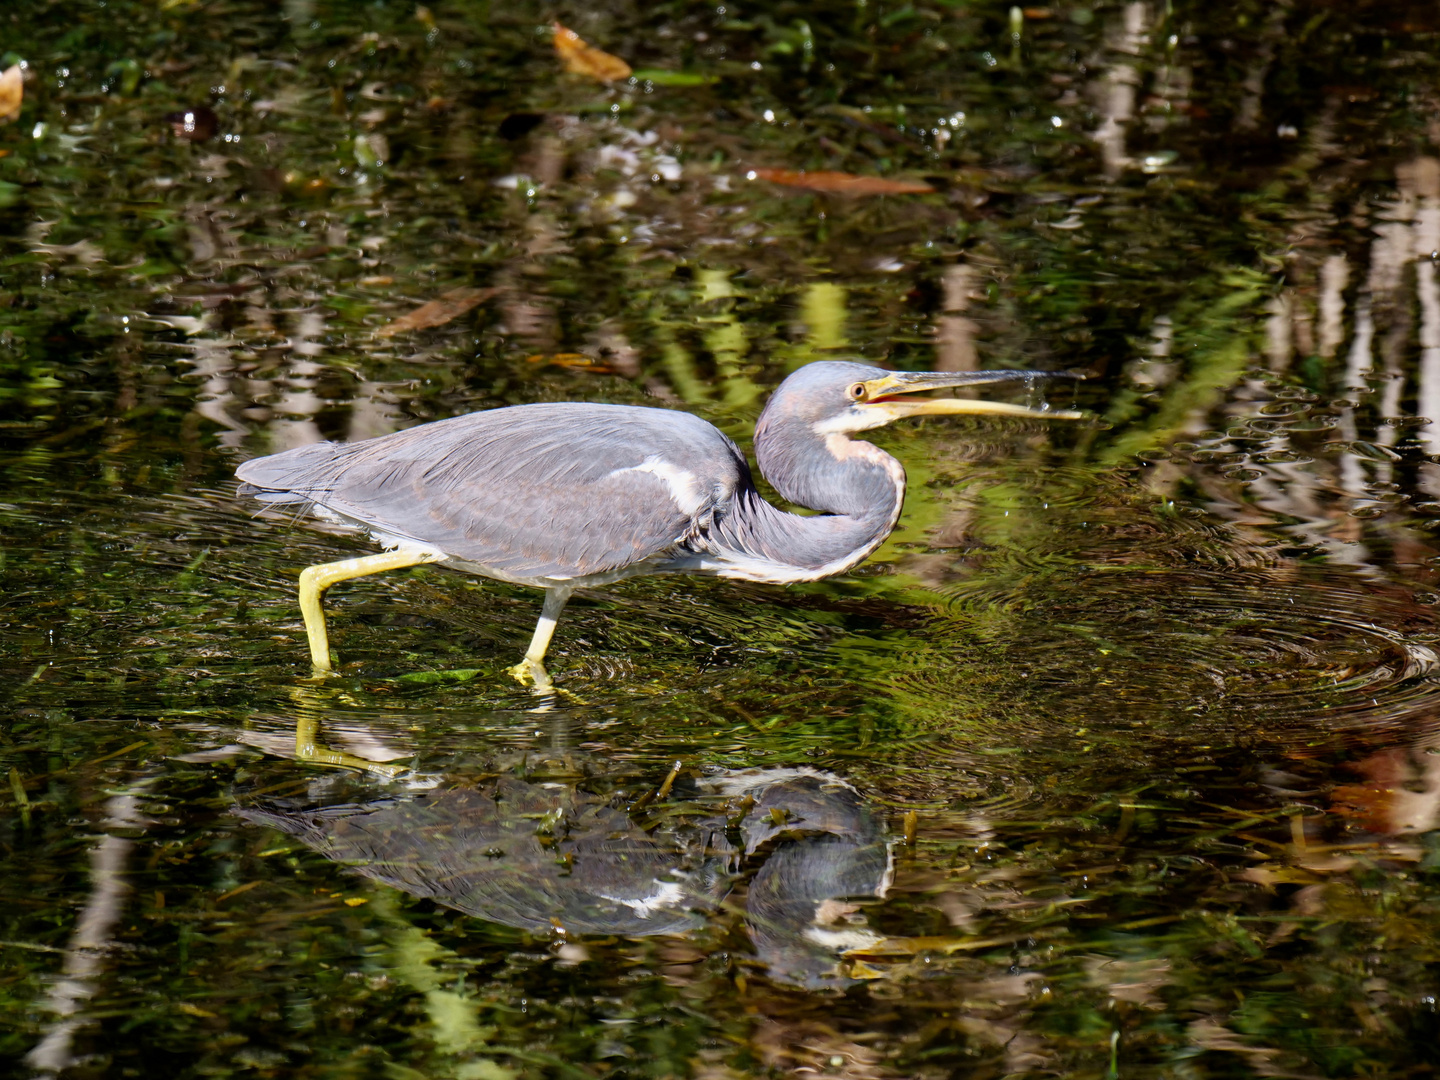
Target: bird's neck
[{"x": 856, "y": 486}]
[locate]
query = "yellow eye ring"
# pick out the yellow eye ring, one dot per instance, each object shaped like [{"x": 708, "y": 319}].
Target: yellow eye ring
[{"x": 857, "y": 391}]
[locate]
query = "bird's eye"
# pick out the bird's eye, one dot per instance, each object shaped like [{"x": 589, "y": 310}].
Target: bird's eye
[{"x": 858, "y": 391}]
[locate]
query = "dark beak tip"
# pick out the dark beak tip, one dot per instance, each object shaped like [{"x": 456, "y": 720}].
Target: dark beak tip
[{"x": 1068, "y": 373}]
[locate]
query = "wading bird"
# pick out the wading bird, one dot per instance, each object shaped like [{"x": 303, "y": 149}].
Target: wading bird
[{"x": 570, "y": 494}]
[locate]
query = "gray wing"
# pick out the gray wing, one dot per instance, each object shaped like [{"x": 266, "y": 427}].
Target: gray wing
[
  {"x": 551, "y": 490},
  {"x": 484, "y": 855}
]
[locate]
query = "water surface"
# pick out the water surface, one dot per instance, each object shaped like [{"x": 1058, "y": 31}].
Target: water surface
[{"x": 1119, "y": 759}]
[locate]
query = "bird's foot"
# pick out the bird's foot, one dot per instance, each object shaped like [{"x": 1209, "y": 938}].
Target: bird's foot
[{"x": 532, "y": 673}]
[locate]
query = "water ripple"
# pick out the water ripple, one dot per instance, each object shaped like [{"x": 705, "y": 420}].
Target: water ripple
[{"x": 1276, "y": 652}]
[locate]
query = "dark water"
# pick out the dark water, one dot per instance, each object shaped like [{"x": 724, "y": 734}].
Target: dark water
[{"x": 1119, "y": 759}]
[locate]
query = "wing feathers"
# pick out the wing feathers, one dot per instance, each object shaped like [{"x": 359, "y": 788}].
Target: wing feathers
[{"x": 560, "y": 490}]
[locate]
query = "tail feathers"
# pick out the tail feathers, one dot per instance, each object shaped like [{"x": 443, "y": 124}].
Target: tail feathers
[
  {"x": 276, "y": 498},
  {"x": 284, "y": 477}
]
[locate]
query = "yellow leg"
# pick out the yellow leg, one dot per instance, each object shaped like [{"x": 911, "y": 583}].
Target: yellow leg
[
  {"x": 314, "y": 580},
  {"x": 308, "y": 748},
  {"x": 531, "y": 670}
]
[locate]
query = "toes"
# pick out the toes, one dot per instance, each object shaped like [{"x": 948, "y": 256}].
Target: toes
[
  {"x": 529, "y": 673},
  {"x": 532, "y": 673}
]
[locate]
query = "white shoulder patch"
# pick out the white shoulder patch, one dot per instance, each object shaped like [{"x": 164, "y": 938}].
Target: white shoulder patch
[
  {"x": 667, "y": 895},
  {"x": 842, "y": 940},
  {"x": 685, "y": 490}
]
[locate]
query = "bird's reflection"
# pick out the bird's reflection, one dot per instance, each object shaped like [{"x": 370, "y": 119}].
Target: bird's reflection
[
  {"x": 558, "y": 843},
  {"x": 823, "y": 848}
]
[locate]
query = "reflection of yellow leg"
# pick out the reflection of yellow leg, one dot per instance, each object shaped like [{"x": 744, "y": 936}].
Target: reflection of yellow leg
[
  {"x": 308, "y": 748},
  {"x": 532, "y": 668},
  {"x": 314, "y": 580}
]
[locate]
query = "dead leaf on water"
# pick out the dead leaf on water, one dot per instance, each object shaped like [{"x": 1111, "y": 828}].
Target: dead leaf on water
[
  {"x": 859, "y": 969},
  {"x": 890, "y": 948},
  {"x": 12, "y": 92},
  {"x": 572, "y": 360},
  {"x": 239, "y": 889},
  {"x": 582, "y": 59},
  {"x": 841, "y": 183},
  {"x": 438, "y": 312},
  {"x": 1284, "y": 875}
]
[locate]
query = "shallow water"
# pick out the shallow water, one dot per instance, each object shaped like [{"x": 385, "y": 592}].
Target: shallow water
[{"x": 1118, "y": 759}]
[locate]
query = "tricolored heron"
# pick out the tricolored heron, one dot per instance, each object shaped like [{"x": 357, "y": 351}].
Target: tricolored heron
[{"x": 570, "y": 494}]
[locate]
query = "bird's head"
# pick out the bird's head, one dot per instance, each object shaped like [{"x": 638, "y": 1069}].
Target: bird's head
[{"x": 835, "y": 397}]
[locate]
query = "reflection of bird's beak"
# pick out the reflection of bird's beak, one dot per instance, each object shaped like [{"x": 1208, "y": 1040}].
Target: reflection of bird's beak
[{"x": 880, "y": 400}]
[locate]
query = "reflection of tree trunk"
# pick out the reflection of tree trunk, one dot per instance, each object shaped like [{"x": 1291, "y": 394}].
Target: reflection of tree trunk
[
  {"x": 294, "y": 423},
  {"x": 370, "y": 413},
  {"x": 1117, "y": 91},
  {"x": 1401, "y": 792},
  {"x": 612, "y": 345},
  {"x": 1247, "y": 116},
  {"x": 1334, "y": 276},
  {"x": 528, "y": 318},
  {"x": 1429, "y": 402},
  {"x": 85, "y": 953},
  {"x": 1170, "y": 89},
  {"x": 1426, "y": 174},
  {"x": 525, "y": 313},
  {"x": 1157, "y": 370},
  {"x": 1415, "y": 807},
  {"x": 954, "y": 333},
  {"x": 1390, "y": 394},
  {"x": 213, "y": 364},
  {"x": 1391, "y": 252},
  {"x": 1304, "y": 323},
  {"x": 209, "y": 236},
  {"x": 1279, "y": 336},
  {"x": 1352, "y": 470},
  {"x": 1294, "y": 491}
]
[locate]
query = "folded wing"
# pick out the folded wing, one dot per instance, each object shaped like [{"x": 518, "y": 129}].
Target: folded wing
[{"x": 553, "y": 490}]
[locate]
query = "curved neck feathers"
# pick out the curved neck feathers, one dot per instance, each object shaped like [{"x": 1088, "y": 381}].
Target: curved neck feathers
[{"x": 857, "y": 487}]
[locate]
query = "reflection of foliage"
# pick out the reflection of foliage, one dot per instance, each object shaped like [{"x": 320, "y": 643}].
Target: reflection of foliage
[
  {"x": 1006, "y": 678},
  {"x": 1218, "y": 345}
]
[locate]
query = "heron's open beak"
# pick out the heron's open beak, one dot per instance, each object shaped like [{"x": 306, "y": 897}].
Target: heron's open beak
[{"x": 880, "y": 399}]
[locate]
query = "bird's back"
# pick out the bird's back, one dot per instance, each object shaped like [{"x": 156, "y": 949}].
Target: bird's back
[{"x": 561, "y": 490}]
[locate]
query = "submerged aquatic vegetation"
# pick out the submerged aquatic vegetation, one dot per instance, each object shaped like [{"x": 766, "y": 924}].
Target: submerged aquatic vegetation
[{"x": 1144, "y": 709}]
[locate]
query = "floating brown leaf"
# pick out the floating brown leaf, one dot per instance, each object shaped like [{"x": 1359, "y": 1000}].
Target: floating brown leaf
[
  {"x": 572, "y": 360},
  {"x": 12, "y": 92},
  {"x": 890, "y": 948},
  {"x": 582, "y": 59},
  {"x": 842, "y": 183},
  {"x": 438, "y": 312}
]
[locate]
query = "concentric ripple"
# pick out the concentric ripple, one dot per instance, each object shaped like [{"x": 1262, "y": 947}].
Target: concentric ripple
[
  {"x": 1224, "y": 652},
  {"x": 1262, "y": 648}
]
